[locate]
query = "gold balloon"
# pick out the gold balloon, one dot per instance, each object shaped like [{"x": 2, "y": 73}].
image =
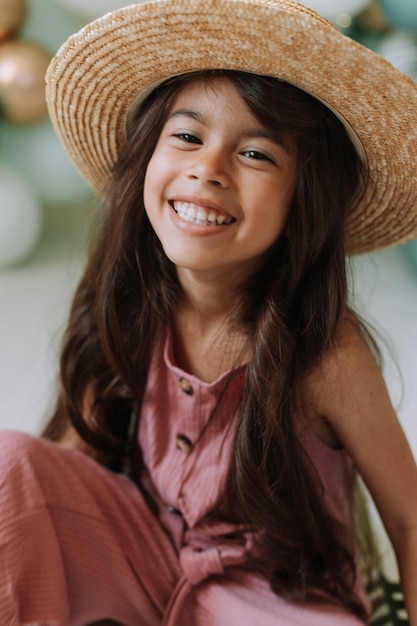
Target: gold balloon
[
  {"x": 373, "y": 19},
  {"x": 12, "y": 15},
  {"x": 22, "y": 81}
]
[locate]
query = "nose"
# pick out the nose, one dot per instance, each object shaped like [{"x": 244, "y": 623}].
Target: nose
[{"x": 210, "y": 165}]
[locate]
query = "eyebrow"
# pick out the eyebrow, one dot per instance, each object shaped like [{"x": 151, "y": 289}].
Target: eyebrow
[
  {"x": 264, "y": 133},
  {"x": 250, "y": 133},
  {"x": 186, "y": 113}
]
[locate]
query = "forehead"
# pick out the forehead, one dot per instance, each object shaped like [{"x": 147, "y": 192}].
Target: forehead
[{"x": 208, "y": 90}]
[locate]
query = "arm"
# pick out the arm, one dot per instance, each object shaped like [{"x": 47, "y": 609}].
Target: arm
[
  {"x": 346, "y": 398},
  {"x": 71, "y": 439}
]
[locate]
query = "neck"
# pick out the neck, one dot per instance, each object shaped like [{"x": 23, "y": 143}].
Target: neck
[
  {"x": 205, "y": 343},
  {"x": 209, "y": 297}
]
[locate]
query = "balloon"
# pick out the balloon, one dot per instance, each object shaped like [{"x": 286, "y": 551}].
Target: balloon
[
  {"x": 332, "y": 9},
  {"x": 400, "y": 49},
  {"x": 22, "y": 81},
  {"x": 94, "y": 8},
  {"x": 373, "y": 19},
  {"x": 12, "y": 15},
  {"x": 409, "y": 251},
  {"x": 49, "y": 24},
  {"x": 20, "y": 218},
  {"x": 36, "y": 153},
  {"x": 400, "y": 13}
]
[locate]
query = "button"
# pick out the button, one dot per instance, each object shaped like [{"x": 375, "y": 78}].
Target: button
[
  {"x": 172, "y": 509},
  {"x": 186, "y": 386},
  {"x": 183, "y": 443}
]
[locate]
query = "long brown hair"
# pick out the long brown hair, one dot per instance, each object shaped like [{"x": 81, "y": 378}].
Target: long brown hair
[{"x": 291, "y": 310}]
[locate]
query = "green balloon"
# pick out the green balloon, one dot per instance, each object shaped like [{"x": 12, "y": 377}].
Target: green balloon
[
  {"x": 36, "y": 153},
  {"x": 400, "y": 13},
  {"x": 50, "y": 24},
  {"x": 409, "y": 251}
]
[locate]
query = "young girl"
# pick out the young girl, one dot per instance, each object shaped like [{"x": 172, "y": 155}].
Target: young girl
[{"x": 218, "y": 397}]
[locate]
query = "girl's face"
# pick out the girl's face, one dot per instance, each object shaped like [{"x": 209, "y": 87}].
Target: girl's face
[{"x": 219, "y": 185}]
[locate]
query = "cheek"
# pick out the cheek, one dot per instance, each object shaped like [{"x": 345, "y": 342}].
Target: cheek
[
  {"x": 287, "y": 194},
  {"x": 274, "y": 222},
  {"x": 146, "y": 192},
  {"x": 150, "y": 186},
  {"x": 279, "y": 210},
  {"x": 157, "y": 176},
  {"x": 155, "y": 187}
]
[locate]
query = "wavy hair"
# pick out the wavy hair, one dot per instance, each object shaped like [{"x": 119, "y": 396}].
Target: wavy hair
[{"x": 290, "y": 310}]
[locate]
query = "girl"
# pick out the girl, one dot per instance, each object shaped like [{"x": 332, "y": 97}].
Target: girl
[{"x": 218, "y": 396}]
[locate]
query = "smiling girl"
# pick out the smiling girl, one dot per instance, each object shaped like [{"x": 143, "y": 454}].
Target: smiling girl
[
  {"x": 219, "y": 185},
  {"x": 218, "y": 397}
]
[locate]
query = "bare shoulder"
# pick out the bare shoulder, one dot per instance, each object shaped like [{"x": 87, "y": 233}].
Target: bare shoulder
[
  {"x": 347, "y": 402},
  {"x": 349, "y": 351},
  {"x": 333, "y": 390}
]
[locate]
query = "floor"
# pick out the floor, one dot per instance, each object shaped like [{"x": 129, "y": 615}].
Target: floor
[{"x": 35, "y": 297}]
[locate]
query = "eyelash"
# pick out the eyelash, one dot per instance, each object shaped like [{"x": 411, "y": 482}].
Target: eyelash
[
  {"x": 255, "y": 155},
  {"x": 187, "y": 138}
]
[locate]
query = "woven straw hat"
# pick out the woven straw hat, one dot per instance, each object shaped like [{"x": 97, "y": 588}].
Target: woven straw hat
[{"x": 99, "y": 73}]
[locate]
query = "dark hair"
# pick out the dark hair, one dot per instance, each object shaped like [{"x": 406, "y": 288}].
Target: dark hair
[{"x": 291, "y": 310}]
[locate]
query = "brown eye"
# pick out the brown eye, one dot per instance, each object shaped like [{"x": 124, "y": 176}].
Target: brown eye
[
  {"x": 187, "y": 138},
  {"x": 257, "y": 156}
]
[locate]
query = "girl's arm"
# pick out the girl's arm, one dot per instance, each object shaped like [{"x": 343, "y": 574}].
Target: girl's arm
[
  {"x": 346, "y": 397},
  {"x": 71, "y": 439}
]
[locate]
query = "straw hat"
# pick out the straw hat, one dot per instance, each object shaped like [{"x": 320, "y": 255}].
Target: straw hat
[{"x": 99, "y": 73}]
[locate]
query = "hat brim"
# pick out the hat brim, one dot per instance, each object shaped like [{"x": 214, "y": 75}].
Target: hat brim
[{"x": 99, "y": 73}]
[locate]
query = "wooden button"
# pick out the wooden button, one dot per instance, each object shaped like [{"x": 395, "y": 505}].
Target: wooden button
[
  {"x": 172, "y": 509},
  {"x": 183, "y": 443},
  {"x": 186, "y": 386}
]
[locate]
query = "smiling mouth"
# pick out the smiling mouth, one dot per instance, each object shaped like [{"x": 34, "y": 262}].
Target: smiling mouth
[{"x": 198, "y": 215}]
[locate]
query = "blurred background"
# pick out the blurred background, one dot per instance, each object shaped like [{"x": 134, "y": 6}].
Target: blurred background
[{"x": 46, "y": 211}]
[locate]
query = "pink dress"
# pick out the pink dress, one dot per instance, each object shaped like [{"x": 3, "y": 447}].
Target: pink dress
[{"x": 80, "y": 545}]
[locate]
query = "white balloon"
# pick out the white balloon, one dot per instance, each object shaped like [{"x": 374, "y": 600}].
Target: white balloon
[
  {"x": 94, "y": 8},
  {"x": 37, "y": 154},
  {"x": 21, "y": 218},
  {"x": 328, "y": 8},
  {"x": 332, "y": 9},
  {"x": 400, "y": 49}
]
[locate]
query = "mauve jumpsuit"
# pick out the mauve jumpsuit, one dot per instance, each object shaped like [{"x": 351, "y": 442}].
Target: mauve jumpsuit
[{"x": 79, "y": 544}]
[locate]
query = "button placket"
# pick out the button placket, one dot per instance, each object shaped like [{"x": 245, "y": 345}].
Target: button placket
[
  {"x": 186, "y": 435},
  {"x": 183, "y": 443}
]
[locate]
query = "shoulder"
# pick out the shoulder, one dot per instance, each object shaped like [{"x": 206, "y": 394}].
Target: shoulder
[
  {"x": 350, "y": 357},
  {"x": 347, "y": 402},
  {"x": 343, "y": 383}
]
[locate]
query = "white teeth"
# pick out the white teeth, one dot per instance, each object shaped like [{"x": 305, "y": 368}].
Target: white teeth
[
  {"x": 201, "y": 217},
  {"x": 198, "y": 215}
]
